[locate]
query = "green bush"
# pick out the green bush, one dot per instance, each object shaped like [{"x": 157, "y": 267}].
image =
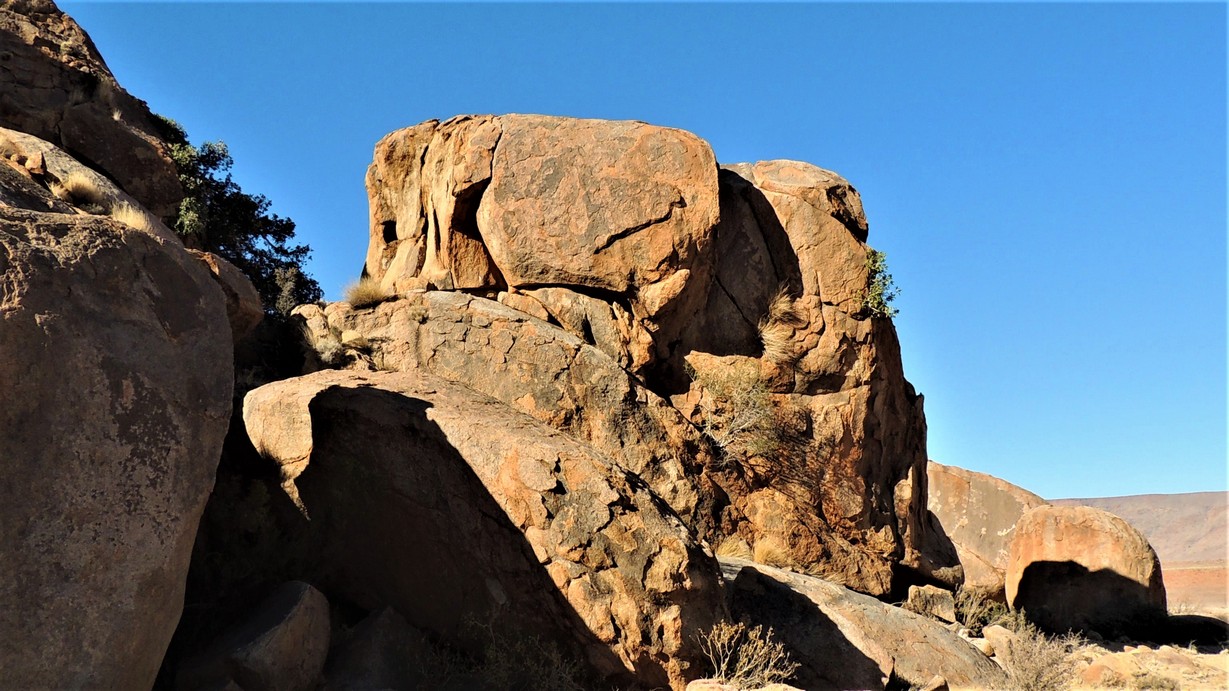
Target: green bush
[
  {"x": 880, "y": 289},
  {"x": 217, "y": 216}
]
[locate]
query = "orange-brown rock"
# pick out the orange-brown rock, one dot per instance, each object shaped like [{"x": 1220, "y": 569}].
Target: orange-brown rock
[
  {"x": 631, "y": 239},
  {"x": 243, "y": 308},
  {"x": 57, "y": 87},
  {"x": 845, "y": 640},
  {"x": 1080, "y": 568},
  {"x": 117, "y": 379},
  {"x": 979, "y": 513},
  {"x": 451, "y": 506},
  {"x": 539, "y": 369}
]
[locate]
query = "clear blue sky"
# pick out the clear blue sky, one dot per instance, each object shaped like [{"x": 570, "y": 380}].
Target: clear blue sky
[{"x": 1048, "y": 180}]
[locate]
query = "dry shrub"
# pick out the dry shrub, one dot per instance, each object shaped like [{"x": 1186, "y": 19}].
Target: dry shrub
[
  {"x": 1041, "y": 663},
  {"x": 737, "y": 415},
  {"x": 521, "y": 663},
  {"x": 777, "y": 329},
  {"x": 325, "y": 348},
  {"x": 366, "y": 293},
  {"x": 81, "y": 191},
  {"x": 133, "y": 217},
  {"x": 976, "y": 611},
  {"x": 747, "y": 659}
]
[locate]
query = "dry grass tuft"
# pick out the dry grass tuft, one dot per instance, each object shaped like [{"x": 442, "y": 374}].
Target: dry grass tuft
[
  {"x": 81, "y": 191},
  {"x": 746, "y": 659},
  {"x": 366, "y": 293},
  {"x": 133, "y": 217},
  {"x": 1155, "y": 682},
  {"x": 770, "y": 553},
  {"x": 778, "y": 327},
  {"x": 735, "y": 547},
  {"x": 7, "y": 147},
  {"x": 976, "y": 611}
]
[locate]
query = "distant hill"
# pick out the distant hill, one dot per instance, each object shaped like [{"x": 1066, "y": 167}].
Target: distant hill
[{"x": 1182, "y": 528}]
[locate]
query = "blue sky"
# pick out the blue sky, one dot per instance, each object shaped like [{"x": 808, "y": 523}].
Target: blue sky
[{"x": 1048, "y": 180}]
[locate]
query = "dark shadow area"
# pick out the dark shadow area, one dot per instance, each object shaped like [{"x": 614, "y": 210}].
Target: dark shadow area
[
  {"x": 940, "y": 560},
  {"x": 1062, "y": 596},
  {"x": 826, "y": 657}
]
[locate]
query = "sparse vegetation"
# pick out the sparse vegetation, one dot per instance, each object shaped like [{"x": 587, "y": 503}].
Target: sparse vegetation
[
  {"x": 771, "y": 553},
  {"x": 521, "y": 663},
  {"x": 366, "y": 293},
  {"x": 880, "y": 288},
  {"x": 746, "y": 658},
  {"x": 1154, "y": 682},
  {"x": 777, "y": 328},
  {"x": 1041, "y": 663},
  {"x": 219, "y": 217},
  {"x": 133, "y": 217},
  {"x": 975, "y": 611},
  {"x": 734, "y": 547},
  {"x": 738, "y": 415}
]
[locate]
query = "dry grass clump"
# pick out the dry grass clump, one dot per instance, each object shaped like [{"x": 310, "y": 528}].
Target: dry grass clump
[
  {"x": 133, "y": 217},
  {"x": 770, "y": 553},
  {"x": 81, "y": 191},
  {"x": 1155, "y": 682},
  {"x": 326, "y": 347},
  {"x": 734, "y": 547},
  {"x": 746, "y": 658},
  {"x": 777, "y": 329},
  {"x": 7, "y": 147},
  {"x": 1041, "y": 663},
  {"x": 366, "y": 293}
]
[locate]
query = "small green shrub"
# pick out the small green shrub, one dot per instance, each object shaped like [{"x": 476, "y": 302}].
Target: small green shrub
[
  {"x": 880, "y": 289},
  {"x": 746, "y": 658}
]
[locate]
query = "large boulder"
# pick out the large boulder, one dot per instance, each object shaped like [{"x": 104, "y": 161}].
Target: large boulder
[
  {"x": 846, "y": 640},
  {"x": 979, "y": 513},
  {"x": 117, "y": 380},
  {"x": 1084, "y": 569},
  {"x": 57, "y": 87},
  {"x": 631, "y": 239},
  {"x": 536, "y": 368},
  {"x": 451, "y": 507}
]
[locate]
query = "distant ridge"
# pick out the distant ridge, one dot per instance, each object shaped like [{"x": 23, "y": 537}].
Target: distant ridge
[{"x": 1183, "y": 528}]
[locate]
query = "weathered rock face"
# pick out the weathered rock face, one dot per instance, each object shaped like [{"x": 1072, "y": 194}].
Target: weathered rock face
[
  {"x": 57, "y": 87},
  {"x": 979, "y": 513},
  {"x": 616, "y": 210},
  {"x": 844, "y": 640},
  {"x": 117, "y": 380},
  {"x": 243, "y": 307},
  {"x": 1080, "y": 568},
  {"x": 450, "y": 506},
  {"x": 631, "y": 239}
]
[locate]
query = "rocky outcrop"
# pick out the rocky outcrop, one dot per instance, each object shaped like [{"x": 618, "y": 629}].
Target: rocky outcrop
[
  {"x": 845, "y": 640},
  {"x": 537, "y": 368},
  {"x": 979, "y": 513},
  {"x": 281, "y": 646},
  {"x": 117, "y": 379},
  {"x": 451, "y": 507},
  {"x": 243, "y": 308},
  {"x": 631, "y": 239},
  {"x": 57, "y": 87},
  {"x": 1080, "y": 568}
]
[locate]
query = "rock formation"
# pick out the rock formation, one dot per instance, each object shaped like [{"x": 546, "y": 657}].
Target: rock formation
[
  {"x": 117, "y": 379},
  {"x": 978, "y": 512},
  {"x": 845, "y": 640},
  {"x": 631, "y": 239},
  {"x": 1080, "y": 568},
  {"x": 57, "y": 87},
  {"x": 450, "y": 507}
]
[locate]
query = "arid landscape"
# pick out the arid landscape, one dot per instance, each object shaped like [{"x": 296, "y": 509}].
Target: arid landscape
[{"x": 599, "y": 412}]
